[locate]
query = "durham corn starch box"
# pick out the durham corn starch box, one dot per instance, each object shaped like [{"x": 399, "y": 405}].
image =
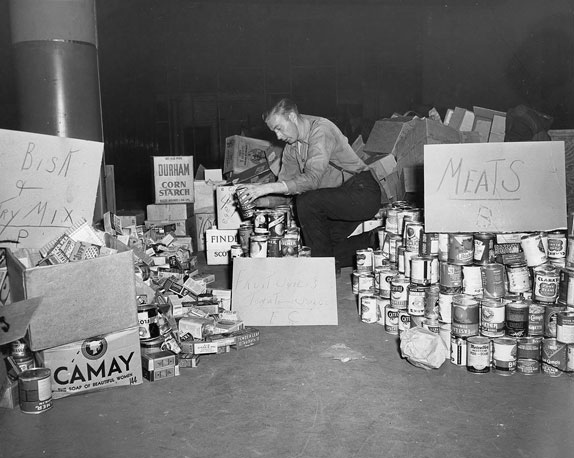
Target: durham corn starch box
[{"x": 173, "y": 179}]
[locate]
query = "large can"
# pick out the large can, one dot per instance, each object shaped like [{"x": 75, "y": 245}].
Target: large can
[
  {"x": 550, "y": 317},
  {"x": 416, "y": 299},
  {"x": 516, "y": 314},
  {"x": 450, "y": 277},
  {"x": 478, "y": 355},
  {"x": 386, "y": 275},
  {"x": 35, "y": 390},
  {"x": 546, "y": 281},
  {"x": 465, "y": 316},
  {"x": 245, "y": 231},
  {"x": 443, "y": 246},
  {"x": 399, "y": 292},
  {"x": 404, "y": 320},
  {"x": 148, "y": 321},
  {"x": 260, "y": 225},
  {"x": 276, "y": 223},
  {"x": 428, "y": 244},
  {"x": 274, "y": 247},
  {"x": 460, "y": 249},
  {"x": 392, "y": 221},
  {"x": 246, "y": 207},
  {"x": 289, "y": 245},
  {"x": 557, "y": 245},
  {"x": 492, "y": 318},
  {"x": 554, "y": 357},
  {"x": 364, "y": 260},
  {"x": 395, "y": 241},
  {"x": 458, "y": 350},
  {"x": 528, "y": 347},
  {"x": 518, "y": 277},
  {"x": 369, "y": 312},
  {"x": 412, "y": 235},
  {"x": 432, "y": 310},
  {"x": 533, "y": 248},
  {"x": 504, "y": 350},
  {"x": 493, "y": 279},
  {"x": 365, "y": 281},
  {"x": 379, "y": 259},
  {"x": 258, "y": 246},
  {"x": 565, "y": 327},
  {"x": 472, "y": 280},
  {"x": 421, "y": 270},
  {"x": 391, "y": 319},
  {"x": 483, "y": 248},
  {"x": 536, "y": 319}
]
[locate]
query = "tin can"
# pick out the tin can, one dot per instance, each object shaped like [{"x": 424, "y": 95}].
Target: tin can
[
  {"x": 260, "y": 222},
  {"x": 421, "y": 270},
  {"x": 565, "y": 327},
  {"x": 378, "y": 259},
  {"x": 550, "y": 317},
  {"x": 443, "y": 247},
  {"x": 246, "y": 208},
  {"x": 434, "y": 268},
  {"x": 492, "y": 318},
  {"x": 236, "y": 251},
  {"x": 399, "y": 291},
  {"x": 472, "y": 280},
  {"x": 153, "y": 345},
  {"x": 460, "y": 249},
  {"x": 535, "y": 319},
  {"x": 518, "y": 277},
  {"x": 35, "y": 390},
  {"x": 431, "y": 324},
  {"x": 404, "y": 320},
  {"x": 428, "y": 244},
  {"x": 493, "y": 277},
  {"x": 369, "y": 309},
  {"x": 478, "y": 355},
  {"x": 364, "y": 259},
  {"x": 533, "y": 248},
  {"x": 258, "y": 246},
  {"x": 394, "y": 242},
  {"x": 483, "y": 248},
  {"x": 431, "y": 303},
  {"x": 528, "y": 366},
  {"x": 289, "y": 246},
  {"x": 504, "y": 350},
  {"x": 274, "y": 247},
  {"x": 557, "y": 245},
  {"x": 392, "y": 320},
  {"x": 465, "y": 316},
  {"x": 401, "y": 259},
  {"x": 546, "y": 282},
  {"x": 392, "y": 221},
  {"x": 276, "y": 223},
  {"x": 458, "y": 350},
  {"x": 566, "y": 287},
  {"x": 416, "y": 299},
  {"x": 366, "y": 281},
  {"x": 288, "y": 215},
  {"x": 386, "y": 275},
  {"x": 450, "y": 280},
  {"x": 445, "y": 306},
  {"x": 381, "y": 238},
  {"x": 408, "y": 257},
  {"x": 412, "y": 235},
  {"x": 148, "y": 321},
  {"x": 528, "y": 347},
  {"x": 516, "y": 313},
  {"x": 554, "y": 357}
]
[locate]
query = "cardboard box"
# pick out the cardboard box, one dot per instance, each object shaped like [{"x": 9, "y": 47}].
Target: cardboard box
[
  {"x": 259, "y": 174},
  {"x": 182, "y": 226},
  {"x": 131, "y": 217},
  {"x": 483, "y": 118},
  {"x": 205, "y": 196},
  {"x": 80, "y": 299},
  {"x": 95, "y": 363},
  {"x": 242, "y": 153},
  {"x": 169, "y": 212},
  {"x": 228, "y": 216},
  {"x": 218, "y": 243},
  {"x": 173, "y": 179},
  {"x": 199, "y": 224},
  {"x": 461, "y": 119}
]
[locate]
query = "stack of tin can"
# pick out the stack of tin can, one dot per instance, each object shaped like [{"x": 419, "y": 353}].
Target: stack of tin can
[
  {"x": 499, "y": 301},
  {"x": 269, "y": 233}
]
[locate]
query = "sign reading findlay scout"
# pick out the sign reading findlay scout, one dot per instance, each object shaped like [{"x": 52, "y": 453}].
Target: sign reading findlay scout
[
  {"x": 47, "y": 184},
  {"x": 495, "y": 187},
  {"x": 173, "y": 179},
  {"x": 284, "y": 291}
]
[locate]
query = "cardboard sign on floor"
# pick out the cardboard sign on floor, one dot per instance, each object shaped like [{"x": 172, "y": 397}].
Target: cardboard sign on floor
[
  {"x": 285, "y": 291},
  {"x": 495, "y": 187},
  {"x": 47, "y": 184}
]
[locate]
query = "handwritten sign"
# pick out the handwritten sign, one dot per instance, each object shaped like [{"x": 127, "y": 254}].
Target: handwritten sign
[
  {"x": 495, "y": 187},
  {"x": 285, "y": 291},
  {"x": 47, "y": 184}
]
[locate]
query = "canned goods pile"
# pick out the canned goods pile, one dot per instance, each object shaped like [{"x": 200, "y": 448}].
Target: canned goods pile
[
  {"x": 267, "y": 233},
  {"x": 502, "y": 301}
]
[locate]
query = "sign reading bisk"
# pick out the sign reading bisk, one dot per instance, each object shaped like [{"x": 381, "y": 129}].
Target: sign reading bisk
[
  {"x": 95, "y": 363},
  {"x": 495, "y": 187},
  {"x": 173, "y": 179}
]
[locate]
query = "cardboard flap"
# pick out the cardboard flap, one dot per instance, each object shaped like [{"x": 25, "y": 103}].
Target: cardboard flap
[{"x": 15, "y": 318}]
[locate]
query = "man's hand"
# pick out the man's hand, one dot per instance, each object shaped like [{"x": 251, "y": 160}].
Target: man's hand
[{"x": 254, "y": 191}]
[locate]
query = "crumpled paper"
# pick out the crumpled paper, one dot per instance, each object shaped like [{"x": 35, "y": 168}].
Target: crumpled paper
[{"x": 423, "y": 348}]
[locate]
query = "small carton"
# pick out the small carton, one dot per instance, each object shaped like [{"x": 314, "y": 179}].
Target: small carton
[{"x": 173, "y": 179}]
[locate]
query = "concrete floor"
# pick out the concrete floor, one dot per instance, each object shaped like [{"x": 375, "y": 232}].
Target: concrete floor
[{"x": 281, "y": 398}]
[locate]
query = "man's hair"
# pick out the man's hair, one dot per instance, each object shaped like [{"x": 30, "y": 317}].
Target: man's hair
[{"x": 282, "y": 108}]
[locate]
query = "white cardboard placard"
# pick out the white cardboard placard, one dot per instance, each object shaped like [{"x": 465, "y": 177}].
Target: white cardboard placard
[
  {"x": 495, "y": 187},
  {"x": 47, "y": 184},
  {"x": 285, "y": 291}
]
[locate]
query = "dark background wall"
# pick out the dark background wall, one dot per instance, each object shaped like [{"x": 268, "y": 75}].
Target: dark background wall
[{"x": 179, "y": 76}]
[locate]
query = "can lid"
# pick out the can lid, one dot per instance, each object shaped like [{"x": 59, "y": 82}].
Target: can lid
[{"x": 34, "y": 373}]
